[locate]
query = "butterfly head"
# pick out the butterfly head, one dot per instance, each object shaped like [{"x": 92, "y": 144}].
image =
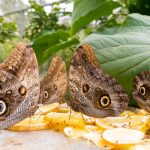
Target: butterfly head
[{"x": 141, "y": 92}]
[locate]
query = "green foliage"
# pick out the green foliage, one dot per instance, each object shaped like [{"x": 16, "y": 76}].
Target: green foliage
[
  {"x": 47, "y": 35},
  {"x": 86, "y": 11},
  {"x": 47, "y": 44},
  {"x": 62, "y": 45},
  {"x": 7, "y": 30},
  {"x": 40, "y": 21},
  {"x": 5, "y": 49},
  {"x": 47, "y": 40},
  {"x": 51, "y": 38},
  {"x": 7, "y": 34}
]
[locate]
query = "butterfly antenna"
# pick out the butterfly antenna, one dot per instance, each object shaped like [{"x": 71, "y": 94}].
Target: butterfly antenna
[
  {"x": 40, "y": 112},
  {"x": 62, "y": 99},
  {"x": 83, "y": 118},
  {"x": 60, "y": 93}
]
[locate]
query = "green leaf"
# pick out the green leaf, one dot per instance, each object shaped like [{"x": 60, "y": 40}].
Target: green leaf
[
  {"x": 60, "y": 46},
  {"x": 47, "y": 40},
  {"x": 133, "y": 23},
  {"x": 86, "y": 11},
  {"x": 39, "y": 51},
  {"x": 51, "y": 37},
  {"x": 126, "y": 52}
]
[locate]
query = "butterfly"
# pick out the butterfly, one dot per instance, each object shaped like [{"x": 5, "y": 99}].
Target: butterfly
[
  {"x": 19, "y": 85},
  {"x": 93, "y": 92},
  {"x": 54, "y": 85},
  {"x": 141, "y": 92}
]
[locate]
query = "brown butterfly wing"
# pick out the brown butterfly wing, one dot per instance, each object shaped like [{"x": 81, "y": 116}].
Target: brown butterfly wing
[
  {"x": 141, "y": 81},
  {"x": 88, "y": 84},
  {"x": 54, "y": 84},
  {"x": 19, "y": 86}
]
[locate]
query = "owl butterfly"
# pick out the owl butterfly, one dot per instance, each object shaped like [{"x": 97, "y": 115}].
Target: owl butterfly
[
  {"x": 19, "y": 86},
  {"x": 94, "y": 92},
  {"x": 54, "y": 84},
  {"x": 141, "y": 92}
]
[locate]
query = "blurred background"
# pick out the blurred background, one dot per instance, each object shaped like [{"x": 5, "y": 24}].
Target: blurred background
[
  {"x": 26, "y": 20},
  {"x": 56, "y": 27}
]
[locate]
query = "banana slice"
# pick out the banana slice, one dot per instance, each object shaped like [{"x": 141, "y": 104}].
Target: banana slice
[
  {"x": 138, "y": 122},
  {"x": 45, "y": 109},
  {"x": 123, "y": 136},
  {"x": 34, "y": 123}
]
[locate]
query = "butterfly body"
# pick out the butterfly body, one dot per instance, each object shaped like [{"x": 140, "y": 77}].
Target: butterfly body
[
  {"x": 94, "y": 92},
  {"x": 141, "y": 92}
]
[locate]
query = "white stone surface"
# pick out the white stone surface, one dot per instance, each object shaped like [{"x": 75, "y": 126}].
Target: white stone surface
[{"x": 41, "y": 140}]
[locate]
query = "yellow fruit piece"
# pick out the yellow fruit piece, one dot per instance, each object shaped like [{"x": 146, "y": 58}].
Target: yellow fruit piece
[
  {"x": 143, "y": 145},
  {"x": 47, "y": 108},
  {"x": 140, "y": 147},
  {"x": 89, "y": 120},
  {"x": 36, "y": 122},
  {"x": 141, "y": 112},
  {"x": 91, "y": 128},
  {"x": 73, "y": 133},
  {"x": 138, "y": 122},
  {"x": 58, "y": 121},
  {"x": 123, "y": 136},
  {"x": 64, "y": 108},
  {"x": 94, "y": 137},
  {"x": 127, "y": 113}
]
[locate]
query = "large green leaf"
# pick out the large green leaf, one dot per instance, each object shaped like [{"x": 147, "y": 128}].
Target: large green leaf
[
  {"x": 124, "y": 52},
  {"x": 86, "y": 11}
]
